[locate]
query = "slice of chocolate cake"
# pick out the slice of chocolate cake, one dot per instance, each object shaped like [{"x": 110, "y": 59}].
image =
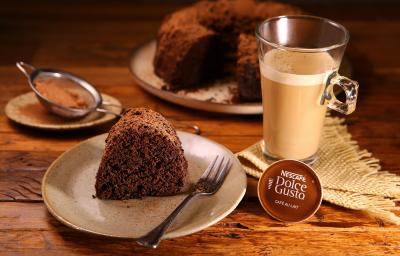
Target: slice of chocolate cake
[
  {"x": 143, "y": 156},
  {"x": 247, "y": 69}
]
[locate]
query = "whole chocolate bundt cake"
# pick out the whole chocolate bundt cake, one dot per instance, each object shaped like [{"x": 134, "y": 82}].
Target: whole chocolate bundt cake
[
  {"x": 143, "y": 157},
  {"x": 207, "y": 40}
]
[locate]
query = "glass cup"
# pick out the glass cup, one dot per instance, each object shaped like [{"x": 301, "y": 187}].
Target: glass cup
[{"x": 299, "y": 59}]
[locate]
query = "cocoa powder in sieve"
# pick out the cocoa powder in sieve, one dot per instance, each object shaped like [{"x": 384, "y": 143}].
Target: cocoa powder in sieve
[{"x": 63, "y": 91}]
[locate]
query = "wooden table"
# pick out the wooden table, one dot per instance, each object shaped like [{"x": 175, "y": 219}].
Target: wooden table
[{"x": 95, "y": 41}]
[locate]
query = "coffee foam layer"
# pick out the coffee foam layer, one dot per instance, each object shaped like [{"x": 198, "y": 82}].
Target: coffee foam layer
[{"x": 296, "y": 68}]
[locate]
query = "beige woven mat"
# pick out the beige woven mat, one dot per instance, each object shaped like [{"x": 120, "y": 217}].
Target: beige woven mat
[{"x": 351, "y": 177}]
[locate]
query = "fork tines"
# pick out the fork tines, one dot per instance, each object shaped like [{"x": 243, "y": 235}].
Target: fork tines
[{"x": 215, "y": 174}]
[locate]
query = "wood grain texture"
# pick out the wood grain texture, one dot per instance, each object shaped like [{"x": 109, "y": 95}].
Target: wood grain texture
[
  {"x": 248, "y": 230},
  {"x": 95, "y": 40}
]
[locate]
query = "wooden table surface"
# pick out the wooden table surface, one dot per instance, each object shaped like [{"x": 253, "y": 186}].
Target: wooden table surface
[{"x": 95, "y": 41}]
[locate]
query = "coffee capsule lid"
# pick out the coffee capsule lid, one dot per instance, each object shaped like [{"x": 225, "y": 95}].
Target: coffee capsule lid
[{"x": 290, "y": 191}]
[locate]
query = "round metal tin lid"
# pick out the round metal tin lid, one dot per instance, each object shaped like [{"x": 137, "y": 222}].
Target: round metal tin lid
[{"x": 290, "y": 191}]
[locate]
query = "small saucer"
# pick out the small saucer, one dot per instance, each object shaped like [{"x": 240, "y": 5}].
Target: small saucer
[{"x": 26, "y": 110}]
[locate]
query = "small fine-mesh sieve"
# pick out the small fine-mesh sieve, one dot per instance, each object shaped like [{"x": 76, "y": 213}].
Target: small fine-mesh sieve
[{"x": 97, "y": 104}]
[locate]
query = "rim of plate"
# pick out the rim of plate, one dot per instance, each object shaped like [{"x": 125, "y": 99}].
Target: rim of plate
[
  {"x": 168, "y": 235},
  {"x": 58, "y": 127},
  {"x": 216, "y": 107}
]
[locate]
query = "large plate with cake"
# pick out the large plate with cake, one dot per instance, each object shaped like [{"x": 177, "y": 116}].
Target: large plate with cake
[
  {"x": 125, "y": 183},
  {"x": 205, "y": 56}
]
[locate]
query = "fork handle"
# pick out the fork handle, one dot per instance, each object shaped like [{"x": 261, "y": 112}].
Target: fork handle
[{"x": 153, "y": 238}]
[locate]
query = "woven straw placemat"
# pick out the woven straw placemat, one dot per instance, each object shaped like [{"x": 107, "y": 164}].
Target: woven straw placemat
[{"x": 351, "y": 177}]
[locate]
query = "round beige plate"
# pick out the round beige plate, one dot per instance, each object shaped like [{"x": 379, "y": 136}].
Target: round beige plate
[
  {"x": 215, "y": 97},
  {"x": 25, "y": 109},
  {"x": 68, "y": 186}
]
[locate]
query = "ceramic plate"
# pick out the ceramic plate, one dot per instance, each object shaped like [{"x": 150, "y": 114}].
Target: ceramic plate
[
  {"x": 68, "y": 186},
  {"x": 215, "y": 97},
  {"x": 26, "y": 110}
]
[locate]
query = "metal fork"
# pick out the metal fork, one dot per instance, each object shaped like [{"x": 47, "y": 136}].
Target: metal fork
[{"x": 208, "y": 184}]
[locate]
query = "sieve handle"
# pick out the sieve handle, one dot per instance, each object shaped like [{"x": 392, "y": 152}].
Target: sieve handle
[
  {"x": 178, "y": 124},
  {"x": 107, "y": 111},
  {"x": 25, "y": 68},
  {"x": 106, "y": 103},
  {"x": 185, "y": 126},
  {"x": 102, "y": 110}
]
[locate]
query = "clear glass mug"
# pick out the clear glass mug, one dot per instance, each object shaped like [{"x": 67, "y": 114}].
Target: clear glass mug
[{"x": 299, "y": 58}]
